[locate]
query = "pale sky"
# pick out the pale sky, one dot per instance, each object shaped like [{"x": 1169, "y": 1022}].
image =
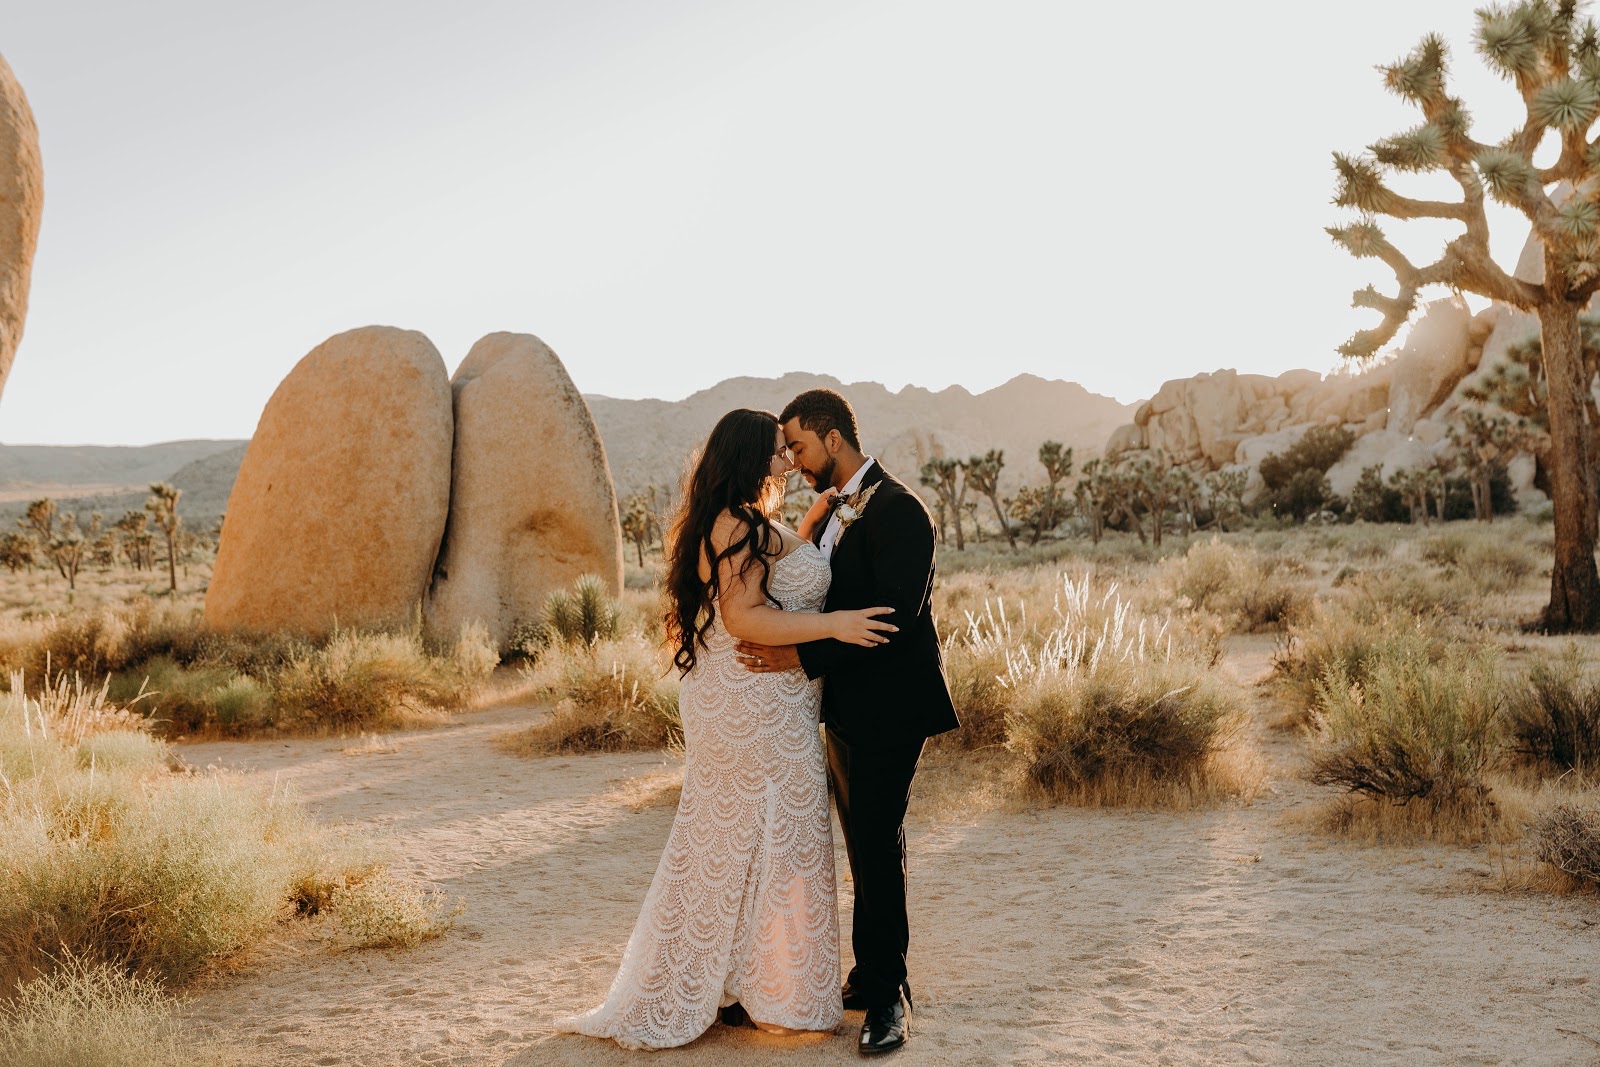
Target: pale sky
[{"x": 673, "y": 193}]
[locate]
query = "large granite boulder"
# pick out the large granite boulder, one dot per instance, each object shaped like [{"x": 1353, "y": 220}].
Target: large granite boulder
[
  {"x": 1436, "y": 356},
  {"x": 531, "y": 502},
  {"x": 21, "y": 202},
  {"x": 340, "y": 502}
]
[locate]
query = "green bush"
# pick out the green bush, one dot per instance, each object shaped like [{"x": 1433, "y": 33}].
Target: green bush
[
  {"x": 1415, "y": 729},
  {"x": 1555, "y": 715}
]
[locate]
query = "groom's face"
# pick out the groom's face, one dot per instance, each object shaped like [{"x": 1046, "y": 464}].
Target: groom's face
[{"x": 812, "y": 454}]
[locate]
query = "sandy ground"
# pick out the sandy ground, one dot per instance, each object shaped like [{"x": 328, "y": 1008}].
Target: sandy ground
[{"x": 1056, "y": 936}]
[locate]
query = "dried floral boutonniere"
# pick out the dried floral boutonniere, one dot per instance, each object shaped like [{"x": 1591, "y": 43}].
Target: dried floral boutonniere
[{"x": 852, "y": 508}]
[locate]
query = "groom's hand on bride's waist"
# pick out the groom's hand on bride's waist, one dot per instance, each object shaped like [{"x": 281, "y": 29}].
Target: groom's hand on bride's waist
[{"x": 764, "y": 658}]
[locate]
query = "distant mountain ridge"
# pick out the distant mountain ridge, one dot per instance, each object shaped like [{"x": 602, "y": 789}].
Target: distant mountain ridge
[{"x": 648, "y": 442}]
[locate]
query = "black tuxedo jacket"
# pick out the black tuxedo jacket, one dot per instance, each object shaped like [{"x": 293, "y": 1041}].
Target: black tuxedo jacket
[{"x": 895, "y": 691}]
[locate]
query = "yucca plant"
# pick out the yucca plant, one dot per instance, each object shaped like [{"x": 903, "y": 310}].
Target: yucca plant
[
  {"x": 586, "y": 613},
  {"x": 1552, "y": 59}
]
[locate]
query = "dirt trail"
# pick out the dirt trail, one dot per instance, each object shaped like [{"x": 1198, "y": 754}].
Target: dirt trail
[{"x": 1057, "y": 936}]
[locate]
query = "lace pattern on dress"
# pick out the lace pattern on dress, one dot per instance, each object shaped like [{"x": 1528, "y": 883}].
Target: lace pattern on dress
[{"x": 743, "y": 904}]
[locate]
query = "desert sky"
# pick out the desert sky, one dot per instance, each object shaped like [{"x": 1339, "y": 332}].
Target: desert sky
[{"x": 905, "y": 191}]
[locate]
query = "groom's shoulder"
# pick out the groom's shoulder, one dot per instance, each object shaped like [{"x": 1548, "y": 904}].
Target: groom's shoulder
[{"x": 901, "y": 498}]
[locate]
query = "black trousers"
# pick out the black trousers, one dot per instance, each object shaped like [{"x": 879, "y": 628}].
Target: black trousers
[{"x": 871, "y": 786}]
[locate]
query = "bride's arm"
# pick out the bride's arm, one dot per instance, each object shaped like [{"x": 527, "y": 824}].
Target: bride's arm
[
  {"x": 818, "y": 513},
  {"x": 747, "y": 616}
]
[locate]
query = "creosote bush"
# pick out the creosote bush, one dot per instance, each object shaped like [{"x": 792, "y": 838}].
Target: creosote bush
[
  {"x": 1555, "y": 715},
  {"x": 1248, "y": 591},
  {"x": 1415, "y": 731}
]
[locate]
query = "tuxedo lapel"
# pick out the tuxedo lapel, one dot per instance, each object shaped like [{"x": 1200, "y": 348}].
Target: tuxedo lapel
[{"x": 868, "y": 480}]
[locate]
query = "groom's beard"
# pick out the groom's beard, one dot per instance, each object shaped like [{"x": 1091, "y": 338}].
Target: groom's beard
[{"x": 820, "y": 480}]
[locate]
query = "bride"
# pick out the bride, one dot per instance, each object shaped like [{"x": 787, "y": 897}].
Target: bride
[{"x": 742, "y": 908}]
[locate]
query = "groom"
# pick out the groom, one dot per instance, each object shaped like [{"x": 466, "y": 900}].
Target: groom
[{"x": 880, "y": 703}]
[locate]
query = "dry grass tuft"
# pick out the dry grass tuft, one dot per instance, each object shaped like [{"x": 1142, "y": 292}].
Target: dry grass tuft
[
  {"x": 1116, "y": 708},
  {"x": 609, "y": 696},
  {"x": 109, "y": 856},
  {"x": 89, "y": 1014}
]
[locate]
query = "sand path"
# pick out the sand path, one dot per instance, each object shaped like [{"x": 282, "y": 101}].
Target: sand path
[{"x": 1057, "y": 936}]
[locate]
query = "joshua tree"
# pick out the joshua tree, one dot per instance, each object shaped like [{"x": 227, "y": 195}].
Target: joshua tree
[
  {"x": 40, "y": 519},
  {"x": 1554, "y": 63},
  {"x": 1486, "y": 444},
  {"x": 1031, "y": 510},
  {"x": 1153, "y": 485},
  {"x": 1056, "y": 459},
  {"x": 66, "y": 549},
  {"x": 983, "y": 474},
  {"x": 16, "y": 551},
  {"x": 636, "y": 523},
  {"x": 134, "y": 526},
  {"x": 942, "y": 475},
  {"x": 1095, "y": 493},
  {"x": 1227, "y": 489},
  {"x": 1412, "y": 485},
  {"x": 163, "y": 508}
]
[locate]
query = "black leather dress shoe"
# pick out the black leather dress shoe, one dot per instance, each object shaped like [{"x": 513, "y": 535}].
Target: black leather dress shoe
[
  {"x": 886, "y": 1028},
  {"x": 735, "y": 1015}
]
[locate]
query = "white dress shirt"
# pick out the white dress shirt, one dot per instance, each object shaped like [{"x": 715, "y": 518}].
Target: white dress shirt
[{"x": 831, "y": 532}]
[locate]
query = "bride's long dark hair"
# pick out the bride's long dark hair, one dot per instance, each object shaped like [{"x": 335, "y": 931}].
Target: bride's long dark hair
[{"x": 734, "y": 474}]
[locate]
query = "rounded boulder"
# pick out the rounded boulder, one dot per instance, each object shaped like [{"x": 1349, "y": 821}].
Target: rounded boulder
[{"x": 340, "y": 502}]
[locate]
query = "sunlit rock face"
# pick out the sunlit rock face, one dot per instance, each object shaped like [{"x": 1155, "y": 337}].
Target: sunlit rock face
[
  {"x": 532, "y": 505},
  {"x": 1398, "y": 409},
  {"x": 341, "y": 499},
  {"x": 21, "y": 203}
]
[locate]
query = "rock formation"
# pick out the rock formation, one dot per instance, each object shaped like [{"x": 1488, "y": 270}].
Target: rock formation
[
  {"x": 21, "y": 201},
  {"x": 341, "y": 498},
  {"x": 1395, "y": 407},
  {"x": 531, "y": 503}
]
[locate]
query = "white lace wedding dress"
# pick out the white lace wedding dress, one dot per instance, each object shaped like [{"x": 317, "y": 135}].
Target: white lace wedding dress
[{"x": 743, "y": 906}]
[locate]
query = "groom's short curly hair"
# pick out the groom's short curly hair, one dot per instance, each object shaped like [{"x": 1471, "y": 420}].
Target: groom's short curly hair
[{"x": 821, "y": 410}]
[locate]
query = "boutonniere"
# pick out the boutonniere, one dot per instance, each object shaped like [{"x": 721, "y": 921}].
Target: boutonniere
[{"x": 852, "y": 508}]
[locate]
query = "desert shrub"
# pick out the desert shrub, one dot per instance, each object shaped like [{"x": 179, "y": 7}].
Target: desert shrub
[
  {"x": 1554, "y": 716},
  {"x": 1374, "y": 500},
  {"x": 1351, "y": 643},
  {"x": 1487, "y": 560},
  {"x": 380, "y": 913},
  {"x": 474, "y": 653},
  {"x": 1416, "y": 591},
  {"x": 107, "y": 855},
  {"x": 1247, "y": 590},
  {"x": 1113, "y": 707},
  {"x": 1294, "y": 481},
  {"x": 89, "y": 1014},
  {"x": 105, "y": 640},
  {"x": 1415, "y": 730},
  {"x": 609, "y": 696},
  {"x": 362, "y": 679},
  {"x": 1567, "y": 837}
]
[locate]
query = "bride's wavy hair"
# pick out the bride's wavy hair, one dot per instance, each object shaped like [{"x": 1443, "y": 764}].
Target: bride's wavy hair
[{"x": 733, "y": 473}]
